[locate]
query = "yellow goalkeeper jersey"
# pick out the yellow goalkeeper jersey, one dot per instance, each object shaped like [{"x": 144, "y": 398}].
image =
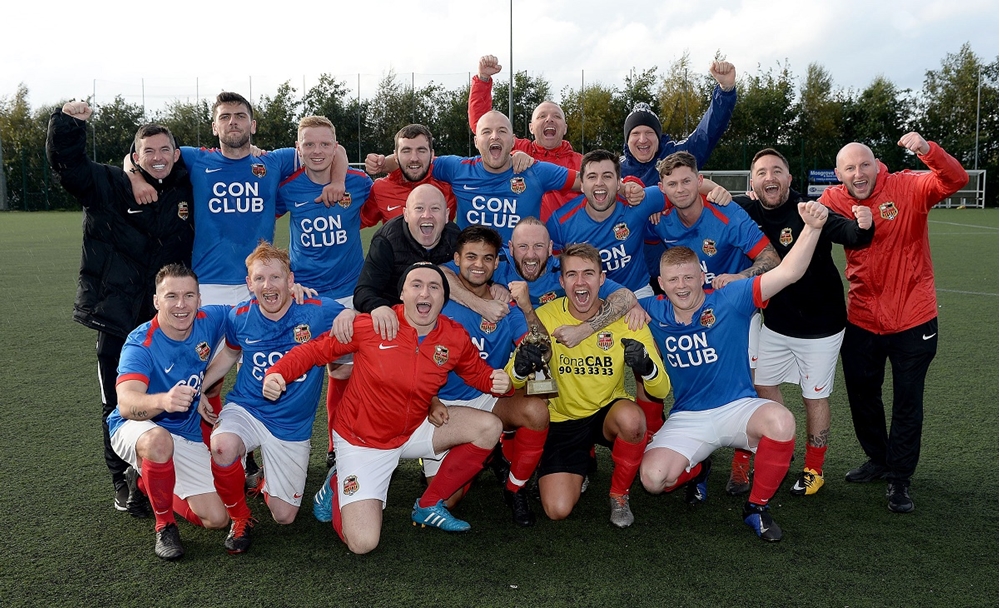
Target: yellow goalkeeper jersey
[{"x": 592, "y": 374}]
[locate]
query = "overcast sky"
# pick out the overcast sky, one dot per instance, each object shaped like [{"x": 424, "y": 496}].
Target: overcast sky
[{"x": 183, "y": 48}]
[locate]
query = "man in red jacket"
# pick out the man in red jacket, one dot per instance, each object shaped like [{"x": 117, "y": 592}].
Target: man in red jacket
[
  {"x": 891, "y": 304},
  {"x": 548, "y": 126},
  {"x": 414, "y": 151},
  {"x": 387, "y": 414}
]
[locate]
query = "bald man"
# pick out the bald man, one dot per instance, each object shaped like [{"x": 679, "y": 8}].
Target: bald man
[
  {"x": 422, "y": 234},
  {"x": 891, "y": 304}
]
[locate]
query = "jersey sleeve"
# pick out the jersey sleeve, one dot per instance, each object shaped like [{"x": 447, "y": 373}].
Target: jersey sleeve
[
  {"x": 554, "y": 227},
  {"x": 555, "y": 177},
  {"x": 285, "y": 160},
  {"x": 135, "y": 363},
  {"x": 744, "y": 232},
  {"x": 480, "y": 100},
  {"x": 443, "y": 167},
  {"x": 608, "y": 288}
]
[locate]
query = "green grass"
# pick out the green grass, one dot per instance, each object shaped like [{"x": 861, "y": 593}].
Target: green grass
[{"x": 63, "y": 544}]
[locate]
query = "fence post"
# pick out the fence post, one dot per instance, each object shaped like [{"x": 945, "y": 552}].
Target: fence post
[{"x": 4, "y": 205}]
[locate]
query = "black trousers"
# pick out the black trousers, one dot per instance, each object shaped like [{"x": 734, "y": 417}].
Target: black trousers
[
  {"x": 109, "y": 349},
  {"x": 910, "y": 353}
]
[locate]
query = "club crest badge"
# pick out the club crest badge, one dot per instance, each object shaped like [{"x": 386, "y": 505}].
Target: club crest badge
[
  {"x": 707, "y": 318},
  {"x": 258, "y": 169},
  {"x": 183, "y": 211},
  {"x": 517, "y": 185},
  {"x": 301, "y": 333},
  {"x": 487, "y": 327},
  {"x": 351, "y": 485},
  {"x": 621, "y": 231},
  {"x": 605, "y": 340},
  {"x": 547, "y": 297},
  {"x": 888, "y": 210},
  {"x": 440, "y": 355},
  {"x": 708, "y": 246},
  {"x": 203, "y": 350},
  {"x": 786, "y": 238},
  {"x": 345, "y": 201}
]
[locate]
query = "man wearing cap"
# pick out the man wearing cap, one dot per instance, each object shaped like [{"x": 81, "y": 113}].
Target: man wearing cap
[{"x": 387, "y": 412}]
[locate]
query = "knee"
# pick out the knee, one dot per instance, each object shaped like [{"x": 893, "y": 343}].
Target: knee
[
  {"x": 537, "y": 413},
  {"x": 489, "y": 427},
  {"x": 155, "y": 445},
  {"x": 557, "y": 507},
  {"x": 653, "y": 479},
  {"x": 215, "y": 520},
  {"x": 782, "y": 425},
  {"x": 226, "y": 448},
  {"x": 361, "y": 542},
  {"x": 632, "y": 424}
]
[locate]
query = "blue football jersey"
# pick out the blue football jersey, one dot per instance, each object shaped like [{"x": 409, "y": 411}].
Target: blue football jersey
[{"x": 495, "y": 342}]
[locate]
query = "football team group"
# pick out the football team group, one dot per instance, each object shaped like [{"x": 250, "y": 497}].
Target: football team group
[{"x": 494, "y": 319}]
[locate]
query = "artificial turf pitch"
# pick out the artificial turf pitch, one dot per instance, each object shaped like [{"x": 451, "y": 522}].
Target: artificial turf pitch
[{"x": 62, "y": 543}]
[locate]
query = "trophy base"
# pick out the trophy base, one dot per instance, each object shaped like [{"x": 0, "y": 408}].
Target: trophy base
[{"x": 541, "y": 387}]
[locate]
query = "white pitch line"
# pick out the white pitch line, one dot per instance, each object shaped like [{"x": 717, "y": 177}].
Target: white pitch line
[
  {"x": 970, "y": 293},
  {"x": 963, "y": 225}
]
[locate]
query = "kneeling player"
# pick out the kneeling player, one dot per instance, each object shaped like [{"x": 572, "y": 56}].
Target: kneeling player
[
  {"x": 592, "y": 405},
  {"x": 387, "y": 406},
  {"x": 155, "y": 429},
  {"x": 703, "y": 338}
]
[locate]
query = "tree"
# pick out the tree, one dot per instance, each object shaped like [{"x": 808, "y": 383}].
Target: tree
[
  {"x": 878, "y": 117},
  {"x": 819, "y": 118},
  {"x": 763, "y": 118},
  {"x": 331, "y": 98},
  {"x": 529, "y": 91},
  {"x": 22, "y": 135},
  {"x": 593, "y": 117},
  {"x": 114, "y": 125},
  {"x": 277, "y": 119},
  {"x": 190, "y": 122},
  {"x": 681, "y": 103},
  {"x": 451, "y": 129}
]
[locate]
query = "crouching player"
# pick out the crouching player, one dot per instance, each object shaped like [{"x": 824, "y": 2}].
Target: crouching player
[
  {"x": 154, "y": 428},
  {"x": 263, "y": 329},
  {"x": 703, "y": 338},
  {"x": 386, "y": 413},
  {"x": 592, "y": 405}
]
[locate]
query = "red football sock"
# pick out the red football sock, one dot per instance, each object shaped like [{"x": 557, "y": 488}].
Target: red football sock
[
  {"x": 334, "y": 393},
  {"x": 654, "y": 415},
  {"x": 229, "y": 481},
  {"x": 458, "y": 467},
  {"x": 815, "y": 457},
  {"x": 337, "y": 522},
  {"x": 770, "y": 467},
  {"x": 206, "y": 429},
  {"x": 741, "y": 458},
  {"x": 182, "y": 508},
  {"x": 528, "y": 452},
  {"x": 685, "y": 477},
  {"x": 626, "y": 457},
  {"x": 159, "y": 478}
]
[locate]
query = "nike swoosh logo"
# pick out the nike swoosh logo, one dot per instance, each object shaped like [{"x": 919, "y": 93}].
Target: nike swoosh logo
[
  {"x": 302, "y": 203},
  {"x": 819, "y": 388},
  {"x": 296, "y": 496},
  {"x": 464, "y": 187},
  {"x": 166, "y": 370},
  {"x": 668, "y": 242},
  {"x": 249, "y": 341},
  {"x": 134, "y": 211},
  {"x": 753, "y": 358},
  {"x": 930, "y": 336},
  {"x": 384, "y": 347},
  {"x": 213, "y": 170},
  {"x": 393, "y": 208}
]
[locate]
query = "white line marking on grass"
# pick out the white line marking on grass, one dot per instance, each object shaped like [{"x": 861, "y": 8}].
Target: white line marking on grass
[
  {"x": 963, "y": 225},
  {"x": 970, "y": 293}
]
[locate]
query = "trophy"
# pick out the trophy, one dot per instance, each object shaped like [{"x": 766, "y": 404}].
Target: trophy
[{"x": 544, "y": 385}]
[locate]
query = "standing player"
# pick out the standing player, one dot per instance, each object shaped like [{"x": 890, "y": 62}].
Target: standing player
[
  {"x": 263, "y": 329},
  {"x": 891, "y": 304},
  {"x": 804, "y": 323},
  {"x": 387, "y": 413},
  {"x": 527, "y": 418},
  {"x": 548, "y": 127},
  {"x": 414, "y": 151},
  {"x": 155, "y": 429},
  {"x": 592, "y": 405},
  {"x": 617, "y": 232},
  {"x": 703, "y": 340},
  {"x": 124, "y": 246},
  {"x": 325, "y": 242},
  {"x": 726, "y": 241}
]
